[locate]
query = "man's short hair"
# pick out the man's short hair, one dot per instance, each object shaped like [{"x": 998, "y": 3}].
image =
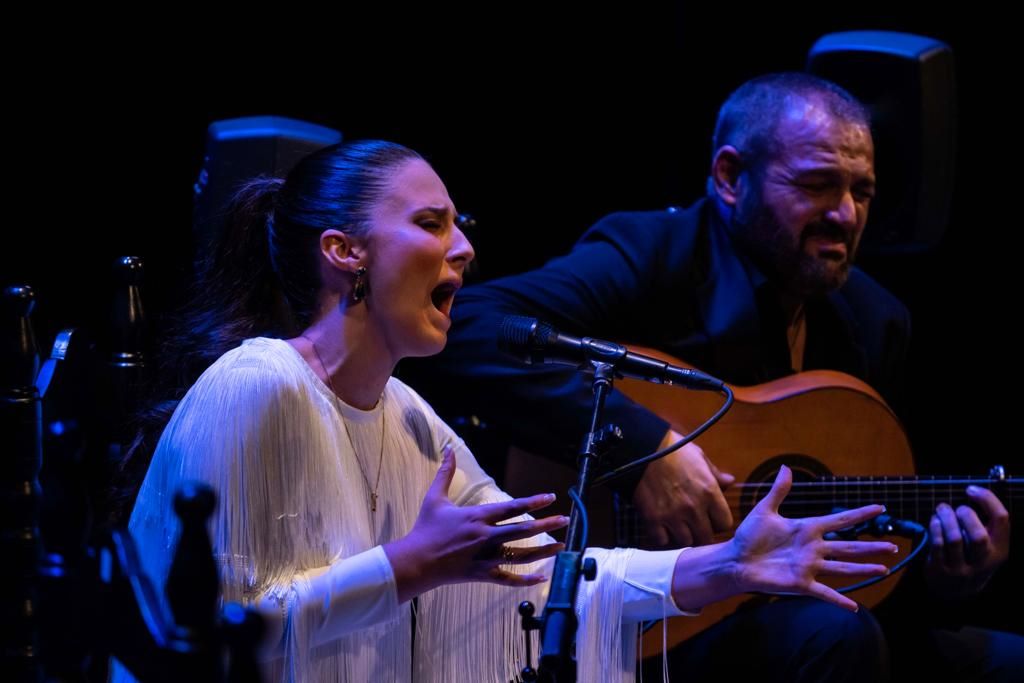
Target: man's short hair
[{"x": 750, "y": 116}]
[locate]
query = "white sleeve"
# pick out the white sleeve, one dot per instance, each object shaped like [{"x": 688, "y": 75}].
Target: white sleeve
[
  {"x": 349, "y": 595},
  {"x": 647, "y": 593}
]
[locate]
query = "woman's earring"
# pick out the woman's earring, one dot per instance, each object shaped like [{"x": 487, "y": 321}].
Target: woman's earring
[{"x": 359, "y": 287}]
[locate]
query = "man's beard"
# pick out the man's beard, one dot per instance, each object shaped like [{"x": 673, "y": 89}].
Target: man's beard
[{"x": 782, "y": 256}]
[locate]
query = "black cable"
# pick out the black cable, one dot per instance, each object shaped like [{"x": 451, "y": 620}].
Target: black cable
[
  {"x": 923, "y": 537},
  {"x": 630, "y": 466},
  {"x": 584, "y": 523}
]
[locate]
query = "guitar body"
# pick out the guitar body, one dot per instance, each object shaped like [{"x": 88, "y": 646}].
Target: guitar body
[{"x": 820, "y": 423}]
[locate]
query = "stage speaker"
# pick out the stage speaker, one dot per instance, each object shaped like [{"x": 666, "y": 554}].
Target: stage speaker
[
  {"x": 240, "y": 149},
  {"x": 908, "y": 83}
]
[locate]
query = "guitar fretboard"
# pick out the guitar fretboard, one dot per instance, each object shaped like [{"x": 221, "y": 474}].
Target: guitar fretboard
[{"x": 905, "y": 497}]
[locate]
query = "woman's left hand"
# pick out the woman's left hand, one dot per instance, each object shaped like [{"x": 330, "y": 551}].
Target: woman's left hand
[{"x": 780, "y": 555}]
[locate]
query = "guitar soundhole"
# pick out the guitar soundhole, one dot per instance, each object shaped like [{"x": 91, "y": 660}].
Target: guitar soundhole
[{"x": 802, "y": 501}]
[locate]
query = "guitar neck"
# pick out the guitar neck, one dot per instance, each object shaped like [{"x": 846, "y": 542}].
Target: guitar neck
[{"x": 906, "y": 497}]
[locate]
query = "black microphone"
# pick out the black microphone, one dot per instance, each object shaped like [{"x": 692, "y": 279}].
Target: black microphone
[{"x": 533, "y": 341}]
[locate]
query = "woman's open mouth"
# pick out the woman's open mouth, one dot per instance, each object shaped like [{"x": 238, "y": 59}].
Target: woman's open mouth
[{"x": 443, "y": 296}]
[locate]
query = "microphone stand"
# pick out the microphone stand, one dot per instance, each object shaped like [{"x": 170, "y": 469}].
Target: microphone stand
[{"x": 557, "y": 623}]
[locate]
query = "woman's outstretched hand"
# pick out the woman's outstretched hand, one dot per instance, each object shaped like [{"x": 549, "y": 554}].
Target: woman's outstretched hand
[
  {"x": 452, "y": 544},
  {"x": 774, "y": 554}
]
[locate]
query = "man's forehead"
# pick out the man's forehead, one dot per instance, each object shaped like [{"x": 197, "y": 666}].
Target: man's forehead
[{"x": 809, "y": 128}]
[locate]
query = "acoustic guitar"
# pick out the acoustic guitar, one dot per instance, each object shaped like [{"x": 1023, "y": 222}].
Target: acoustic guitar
[{"x": 844, "y": 444}]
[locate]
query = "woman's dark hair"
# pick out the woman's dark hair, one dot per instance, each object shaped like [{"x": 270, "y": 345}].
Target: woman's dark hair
[{"x": 261, "y": 276}]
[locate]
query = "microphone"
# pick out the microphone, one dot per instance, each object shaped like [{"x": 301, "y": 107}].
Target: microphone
[{"x": 532, "y": 342}]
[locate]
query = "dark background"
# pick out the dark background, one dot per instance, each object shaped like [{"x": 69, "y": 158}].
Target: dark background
[{"x": 539, "y": 120}]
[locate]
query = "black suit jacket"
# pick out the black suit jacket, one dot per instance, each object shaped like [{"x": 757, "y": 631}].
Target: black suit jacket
[{"x": 671, "y": 280}]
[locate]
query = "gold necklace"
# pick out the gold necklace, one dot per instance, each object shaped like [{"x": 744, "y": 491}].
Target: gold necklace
[{"x": 383, "y": 417}]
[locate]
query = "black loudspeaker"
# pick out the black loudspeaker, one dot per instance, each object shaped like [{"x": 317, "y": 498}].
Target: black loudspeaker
[
  {"x": 908, "y": 83},
  {"x": 240, "y": 149}
]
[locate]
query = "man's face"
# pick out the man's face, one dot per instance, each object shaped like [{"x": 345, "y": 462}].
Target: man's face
[{"x": 801, "y": 214}]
